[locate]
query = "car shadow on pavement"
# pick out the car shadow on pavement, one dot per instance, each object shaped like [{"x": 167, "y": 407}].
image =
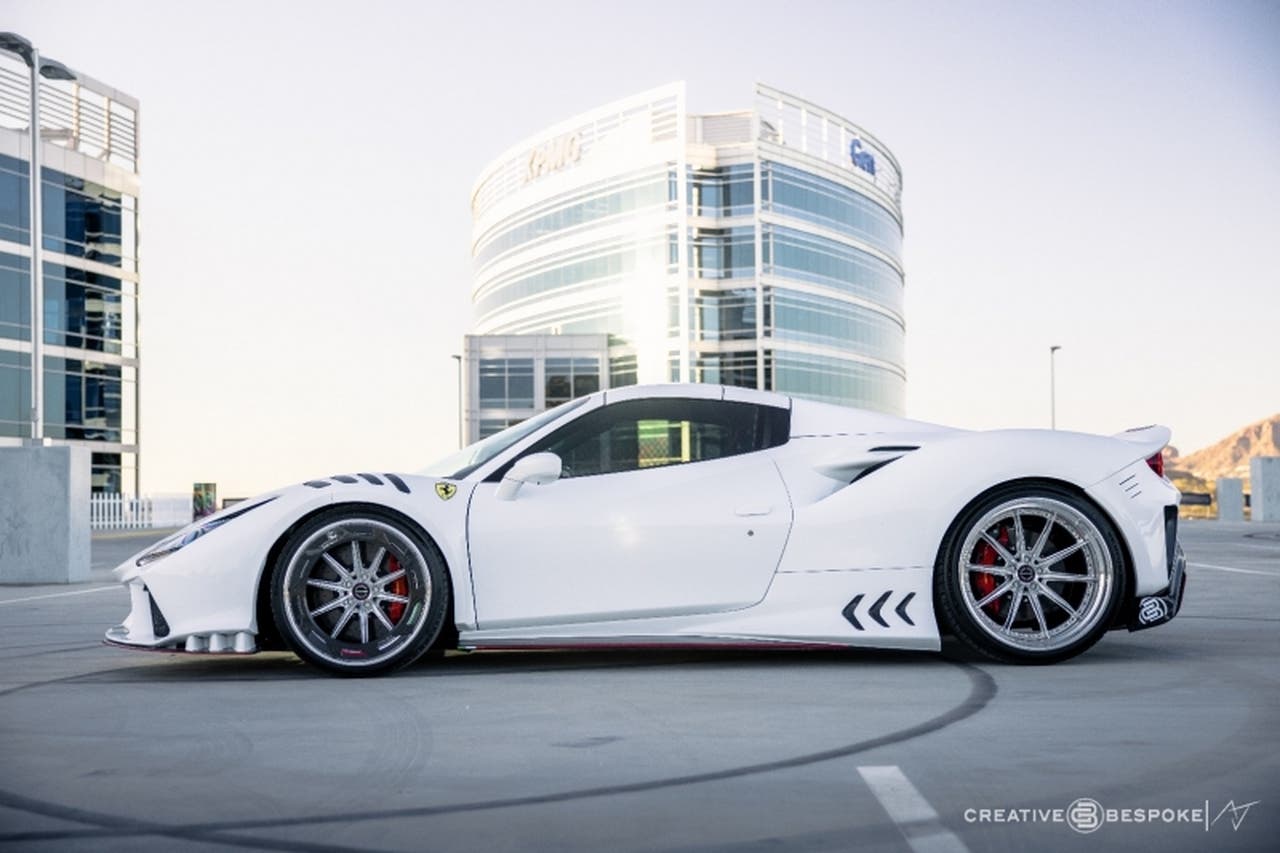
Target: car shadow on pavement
[{"x": 283, "y": 666}]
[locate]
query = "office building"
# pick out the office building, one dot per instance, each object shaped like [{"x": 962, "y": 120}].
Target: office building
[
  {"x": 89, "y": 328},
  {"x": 758, "y": 248}
]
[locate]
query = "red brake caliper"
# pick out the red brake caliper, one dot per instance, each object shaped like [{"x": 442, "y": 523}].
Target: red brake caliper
[
  {"x": 985, "y": 582},
  {"x": 399, "y": 586}
]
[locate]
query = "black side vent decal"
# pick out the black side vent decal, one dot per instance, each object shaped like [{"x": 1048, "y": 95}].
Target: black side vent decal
[
  {"x": 344, "y": 478},
  {"x": 372, "y": 480},
  {"x": 397, "y": 482},
  {"x": 895, "y": 448},
  {"x": 850, "y": 611},
  {"x": 875, "y": 611},
  {"x": 318, "y": 484},
  {"x": 901, "y": 609}
]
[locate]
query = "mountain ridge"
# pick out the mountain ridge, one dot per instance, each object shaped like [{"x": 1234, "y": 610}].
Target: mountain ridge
[{"x": 1230, "y": 456}]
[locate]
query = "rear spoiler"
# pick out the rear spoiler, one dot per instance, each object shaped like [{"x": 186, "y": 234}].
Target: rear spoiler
[{"x": 1147, "y": 440}]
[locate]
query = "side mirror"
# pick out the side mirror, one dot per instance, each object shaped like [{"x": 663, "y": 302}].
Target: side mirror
[{"x": 537, "y": 468}]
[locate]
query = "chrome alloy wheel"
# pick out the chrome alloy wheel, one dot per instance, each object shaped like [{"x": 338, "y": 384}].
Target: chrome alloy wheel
[
  {"x": 1035, "y": 574},
  {"x": 356, "y": 592}
]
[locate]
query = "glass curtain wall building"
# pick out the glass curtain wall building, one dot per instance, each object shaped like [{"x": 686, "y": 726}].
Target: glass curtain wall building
[
  {"x": 760, "y": 248},
  {"x": 89, "y": 175},
  {"x": 513, "y": 377}
]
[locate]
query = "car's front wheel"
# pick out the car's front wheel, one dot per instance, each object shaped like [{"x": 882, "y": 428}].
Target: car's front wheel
[
  {"x": 358, "y": 591},
  {"x": 1030, "y": 574}
]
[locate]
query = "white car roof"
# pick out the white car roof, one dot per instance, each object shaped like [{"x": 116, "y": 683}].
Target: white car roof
[{"x": 698, "y": 391}]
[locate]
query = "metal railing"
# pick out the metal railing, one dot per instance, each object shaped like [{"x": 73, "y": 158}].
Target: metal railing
[
  {"x": 126, "y": 512},
  {"x": 81, "y": 115}
]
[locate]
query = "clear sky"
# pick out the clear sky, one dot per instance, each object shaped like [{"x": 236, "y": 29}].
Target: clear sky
[{"x": 1102, "y": 176}]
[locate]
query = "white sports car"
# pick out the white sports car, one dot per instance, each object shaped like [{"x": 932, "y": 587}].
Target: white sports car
[{"x": 679, "y": 515}]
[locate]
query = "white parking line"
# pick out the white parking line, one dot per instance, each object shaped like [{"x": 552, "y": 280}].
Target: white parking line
[
  {"x": 916, "y": 819},
  {"x": 1232, "y": 569},
  {"x": 59, "y": 594}
]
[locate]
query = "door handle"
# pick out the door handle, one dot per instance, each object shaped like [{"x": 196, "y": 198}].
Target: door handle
[{"x": 747, "y": 511}]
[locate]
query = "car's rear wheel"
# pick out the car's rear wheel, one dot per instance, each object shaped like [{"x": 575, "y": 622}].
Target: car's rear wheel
[
  {"x": 1030, "y": 574},
  {"x": 358, "y": 591}
]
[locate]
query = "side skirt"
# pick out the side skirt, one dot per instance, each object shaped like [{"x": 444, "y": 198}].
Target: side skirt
[{"x": 888, "y": 608}]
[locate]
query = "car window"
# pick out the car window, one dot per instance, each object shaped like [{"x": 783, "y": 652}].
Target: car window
[
  {"x": 458, "y": 465},
  {"x": 638, "y": 434}
]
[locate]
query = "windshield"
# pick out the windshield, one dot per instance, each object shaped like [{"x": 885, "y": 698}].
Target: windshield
[{"x": 457, "y": 465}]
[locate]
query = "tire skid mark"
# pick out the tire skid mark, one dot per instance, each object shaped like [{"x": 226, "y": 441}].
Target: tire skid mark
[{"x": 982, "y": 690}]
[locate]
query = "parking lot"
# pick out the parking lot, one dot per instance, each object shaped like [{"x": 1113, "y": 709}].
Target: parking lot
[{"x": 1173, "y": 734}]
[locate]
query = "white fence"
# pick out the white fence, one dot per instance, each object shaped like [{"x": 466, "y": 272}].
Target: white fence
[{"x": 122, "y": 512}]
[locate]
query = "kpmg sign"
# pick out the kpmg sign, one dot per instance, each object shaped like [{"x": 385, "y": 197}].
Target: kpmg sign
[
  {"x": 862, "y": 159},
  {"x": 552, "y": 156}
]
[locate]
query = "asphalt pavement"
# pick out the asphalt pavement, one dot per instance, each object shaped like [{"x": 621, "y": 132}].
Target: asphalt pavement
[{"x": 1167, "y": 739}]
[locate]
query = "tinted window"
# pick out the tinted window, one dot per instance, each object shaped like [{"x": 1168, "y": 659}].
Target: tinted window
[
  {"x": 567, "y": 378},
  {"x": 638, "y": 434},
  {"x": 506, "y": 383}
]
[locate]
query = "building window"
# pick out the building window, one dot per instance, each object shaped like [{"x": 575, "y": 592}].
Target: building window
[
  {"x": 83, "y": 219},
  {"x": 838, "y": 380},
  {"x": 568, "y": 378},
  {"x": 15, "y": 394},
  {"x": 727, "y": 315},
  {"x": 802, "y": 195},
  {"x": 492, "y": 426},
  {"x": 622, "y": 371},
  {"x": 84, "y": 310},
  {"x": 722, "y": 252},
  {"x": 727, "y": 368},
  {"x": 726, "y": 191},
  {"x": 506, "y": 383},
  {"x": 808, "y": 318},
  {"x": 88, "y": 400},
  {"x": 611, "y": 262},
  {"x": 653, "y": 193},
  {"x": 105, "y": 473},
  {"x": 14, "y": 206},
  {"x": 15, "y": 297},
  {"x": 807, "y": 257}
]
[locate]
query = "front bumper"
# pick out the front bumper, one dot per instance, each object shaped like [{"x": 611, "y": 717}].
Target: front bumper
[{"x": 146, "y": 628}]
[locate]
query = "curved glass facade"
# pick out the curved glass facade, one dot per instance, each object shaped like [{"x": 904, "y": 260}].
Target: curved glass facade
[
  {"x": 760, "y": 248},
  {"x": 614, "y": 199},
  {"x": 789, "y": 191},
  {"x": 89, "y": 210}
]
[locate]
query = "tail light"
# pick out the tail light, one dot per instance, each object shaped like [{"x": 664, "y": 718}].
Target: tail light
[{"x": 1156, "y": 463}]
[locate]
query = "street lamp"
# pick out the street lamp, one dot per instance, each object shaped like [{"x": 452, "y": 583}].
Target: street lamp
[
  {"x": 458, "y": 359},
  {"x": 1053, "y": 403},
  {"x": 53, "y": 70}
]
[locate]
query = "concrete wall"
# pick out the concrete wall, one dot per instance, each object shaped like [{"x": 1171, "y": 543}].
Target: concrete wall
[
  {"x": 44, "y": 514},
  {"x": 1230, "y": 499},
  {"x": 1264, "y": 488}
]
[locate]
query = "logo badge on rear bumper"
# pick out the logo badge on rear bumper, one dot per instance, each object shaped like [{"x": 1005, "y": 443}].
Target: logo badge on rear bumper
[{"x": 1153, "y": 610}]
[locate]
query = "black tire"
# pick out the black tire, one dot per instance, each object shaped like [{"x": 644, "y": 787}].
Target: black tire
[
  {"x": 356, "y": 590},
  {"x": 999, "y": 589}
]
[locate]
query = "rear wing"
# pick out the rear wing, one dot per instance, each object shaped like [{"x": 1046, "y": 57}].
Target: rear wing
[{"x": 1147, "y": 441}]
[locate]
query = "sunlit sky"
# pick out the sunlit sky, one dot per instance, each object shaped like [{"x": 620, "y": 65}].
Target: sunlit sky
[{"x": 1101, "y": 176}]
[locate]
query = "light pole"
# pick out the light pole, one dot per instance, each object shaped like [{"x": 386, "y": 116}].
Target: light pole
[
  {"x": 54, "y": 70},
  {"x": 458, "y": 359},
  {"x": 1053, "y": 402}
]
